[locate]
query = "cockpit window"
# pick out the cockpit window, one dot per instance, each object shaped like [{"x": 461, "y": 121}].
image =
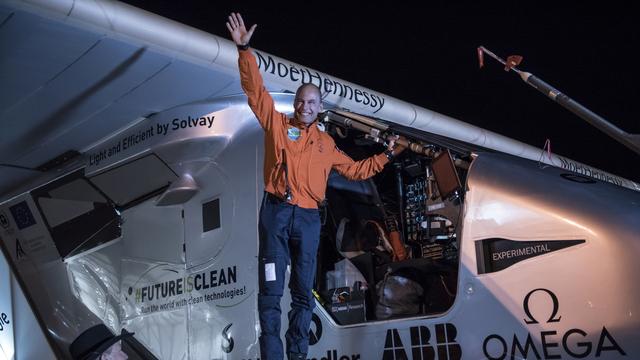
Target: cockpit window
[
  {"x": 134, "y": 180},
  {"x": 78, "y": 216}
]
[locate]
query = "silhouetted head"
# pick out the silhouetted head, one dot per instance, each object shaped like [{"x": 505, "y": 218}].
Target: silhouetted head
[{"x": 307, "y": 104}]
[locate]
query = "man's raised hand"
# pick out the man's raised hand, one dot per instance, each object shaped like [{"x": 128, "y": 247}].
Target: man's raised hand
[{"x": 238, "y": 31}]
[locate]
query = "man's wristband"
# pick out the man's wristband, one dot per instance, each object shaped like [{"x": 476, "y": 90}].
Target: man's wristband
[
  {"x": 243, "y": 47},
  {"x": 389, "y": 154}
]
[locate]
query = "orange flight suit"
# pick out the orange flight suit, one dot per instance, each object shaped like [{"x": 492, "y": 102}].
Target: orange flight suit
[{"x": 309, "y": 158}]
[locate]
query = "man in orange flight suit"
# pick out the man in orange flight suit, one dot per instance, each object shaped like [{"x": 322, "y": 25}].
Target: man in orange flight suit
[{"x": 298, "y": 159}]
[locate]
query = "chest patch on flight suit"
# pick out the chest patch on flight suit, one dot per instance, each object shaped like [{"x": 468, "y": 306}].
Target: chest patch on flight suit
[{"x": 293, "y": 133}]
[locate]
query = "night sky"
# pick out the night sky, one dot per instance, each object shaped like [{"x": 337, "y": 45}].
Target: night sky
[{"x": 428, "y": 57}]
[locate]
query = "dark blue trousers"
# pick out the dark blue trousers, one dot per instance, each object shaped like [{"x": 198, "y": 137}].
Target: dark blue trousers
[{"x": 288, "y": 235}]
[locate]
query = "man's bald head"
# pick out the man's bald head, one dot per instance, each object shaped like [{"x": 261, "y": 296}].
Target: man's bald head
[{"x": 309, "y": 86}]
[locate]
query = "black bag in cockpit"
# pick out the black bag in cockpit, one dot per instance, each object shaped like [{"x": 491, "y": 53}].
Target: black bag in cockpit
[{"x": 399, "y": 294}]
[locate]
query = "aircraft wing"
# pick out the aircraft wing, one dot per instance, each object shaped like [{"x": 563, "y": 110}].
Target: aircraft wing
[
  {"x": 68, "y": 83},
  {"x": 76, "y": 72}
]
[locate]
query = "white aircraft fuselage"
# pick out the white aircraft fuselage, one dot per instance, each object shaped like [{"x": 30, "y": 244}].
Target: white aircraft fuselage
[{"x": 153, "y": 229}]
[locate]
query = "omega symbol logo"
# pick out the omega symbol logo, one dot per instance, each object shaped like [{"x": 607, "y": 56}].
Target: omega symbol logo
[{"x": 554, "y": 311}]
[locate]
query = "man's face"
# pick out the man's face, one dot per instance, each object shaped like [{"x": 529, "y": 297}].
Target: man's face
[{"x": 307, "y": 104}]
